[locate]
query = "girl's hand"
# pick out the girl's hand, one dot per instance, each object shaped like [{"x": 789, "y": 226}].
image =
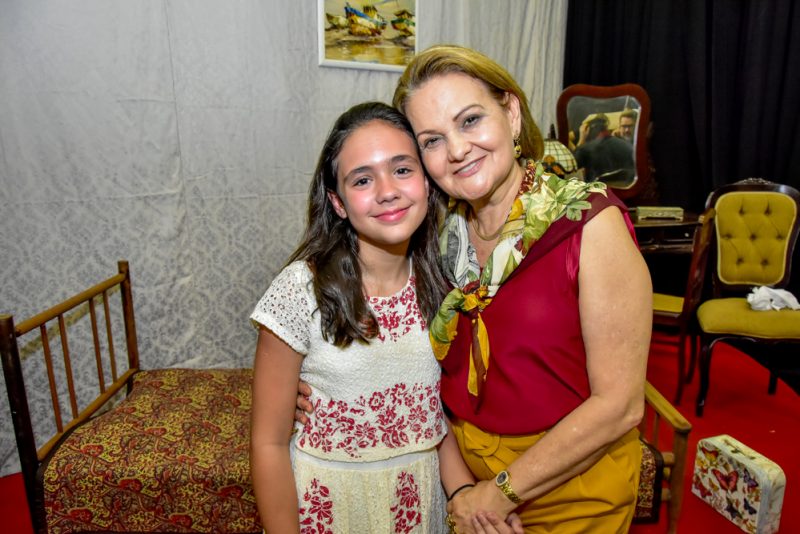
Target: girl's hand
[
  {"x": 483, "y": 508},
  {"x": 303, "y": 404},
  {"x": 515, "y": 522},
  {"x": 490, "y": 523}
]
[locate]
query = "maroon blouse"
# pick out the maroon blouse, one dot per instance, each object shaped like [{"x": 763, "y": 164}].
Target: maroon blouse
[{"x": 537, "y": 368}]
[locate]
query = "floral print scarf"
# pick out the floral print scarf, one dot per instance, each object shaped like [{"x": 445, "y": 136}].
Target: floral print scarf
[{"x": 542, "y": 200}]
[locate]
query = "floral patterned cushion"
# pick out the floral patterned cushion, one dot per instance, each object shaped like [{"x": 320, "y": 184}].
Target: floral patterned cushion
[
  {"x": 648, "y": 502},
  {"x": 172, "y": 457}
]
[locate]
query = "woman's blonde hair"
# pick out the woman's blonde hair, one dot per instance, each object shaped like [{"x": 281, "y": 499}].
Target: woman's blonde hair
[{"x": 446, "y": 59}]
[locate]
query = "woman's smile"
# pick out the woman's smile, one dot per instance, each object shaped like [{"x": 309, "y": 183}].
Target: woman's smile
[{"x": 471, "y": 168}]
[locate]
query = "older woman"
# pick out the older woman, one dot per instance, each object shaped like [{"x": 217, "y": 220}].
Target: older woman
[{"x": 543, "y": 340}]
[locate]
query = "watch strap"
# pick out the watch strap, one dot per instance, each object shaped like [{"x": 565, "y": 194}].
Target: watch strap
[{"x": 503, "y": 481}]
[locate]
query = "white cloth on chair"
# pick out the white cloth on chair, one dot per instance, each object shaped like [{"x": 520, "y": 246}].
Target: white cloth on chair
[{"x": 764, "y": 298}]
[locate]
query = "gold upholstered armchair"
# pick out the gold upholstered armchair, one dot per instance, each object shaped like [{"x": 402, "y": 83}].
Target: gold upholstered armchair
[{"x": 756, "y": 230}]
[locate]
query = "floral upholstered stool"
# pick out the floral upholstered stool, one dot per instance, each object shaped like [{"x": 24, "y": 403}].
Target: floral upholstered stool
[{"x": 739, "y": 483}]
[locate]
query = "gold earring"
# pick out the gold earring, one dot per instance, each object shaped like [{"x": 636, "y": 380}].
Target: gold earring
[{"x": 517, "y": 148}]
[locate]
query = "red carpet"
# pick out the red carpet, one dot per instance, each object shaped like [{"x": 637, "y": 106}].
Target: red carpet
[
  {"x": 737, "y": 404},
  {"x": 14, "y": 506}
]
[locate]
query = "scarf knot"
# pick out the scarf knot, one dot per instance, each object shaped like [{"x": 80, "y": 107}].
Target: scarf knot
[{"x": 476, "y": 301}]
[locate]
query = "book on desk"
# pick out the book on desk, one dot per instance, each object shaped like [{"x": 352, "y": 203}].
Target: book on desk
[
  {"x": 673, "y": 213},
  {"x": 663, "y": 229}
]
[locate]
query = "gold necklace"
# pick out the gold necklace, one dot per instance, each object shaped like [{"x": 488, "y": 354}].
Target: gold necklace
[
  {"x": 526, "y": 184},
  {"x": 479, "y": 234}
]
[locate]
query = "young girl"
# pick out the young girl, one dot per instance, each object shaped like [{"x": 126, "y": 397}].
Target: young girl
[{"x": 348, "y": 315}]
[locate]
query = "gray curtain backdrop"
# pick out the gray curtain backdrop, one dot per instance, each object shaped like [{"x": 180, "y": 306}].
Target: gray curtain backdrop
[{"x": 181, "y": 135}]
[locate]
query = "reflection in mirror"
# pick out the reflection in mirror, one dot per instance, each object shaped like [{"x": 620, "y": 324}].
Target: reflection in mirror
[
  {"x": 605, "y": 128},
  {"x": 601, "y": 136}
]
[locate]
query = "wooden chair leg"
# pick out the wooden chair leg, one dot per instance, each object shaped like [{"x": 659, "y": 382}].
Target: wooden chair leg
[
  {"x": 676, "y": 481},
  {"x": 694, "y": 340},
  {"x": 681, "y": 366},
  {"x": 705, "y": 368},
  {"x": 773, "y": 383}
]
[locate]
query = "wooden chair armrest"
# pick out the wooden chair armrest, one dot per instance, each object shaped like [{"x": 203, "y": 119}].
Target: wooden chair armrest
[
  {"x": 666, "y": 410},
  {"x": 675, "y": 456}
]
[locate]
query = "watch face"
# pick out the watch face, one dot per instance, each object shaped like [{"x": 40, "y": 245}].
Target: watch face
[{"x": 502, "y": 477}]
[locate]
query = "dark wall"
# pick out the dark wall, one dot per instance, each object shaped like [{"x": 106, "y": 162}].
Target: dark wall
[{"x": 723, "y": 77}]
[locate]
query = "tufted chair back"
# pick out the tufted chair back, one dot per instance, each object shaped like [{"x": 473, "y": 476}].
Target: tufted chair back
[{"x": 756, "y": 230}]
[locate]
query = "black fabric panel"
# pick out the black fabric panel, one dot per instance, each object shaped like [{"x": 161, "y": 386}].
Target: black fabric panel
[
  {"x": 724, "y": 83},
  {"x": 723, "y": 77}
]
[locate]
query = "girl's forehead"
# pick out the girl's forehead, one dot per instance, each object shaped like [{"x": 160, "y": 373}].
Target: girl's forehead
[
  {"x": 376, "y": 128},
  {"x": 373, "y": 141}
]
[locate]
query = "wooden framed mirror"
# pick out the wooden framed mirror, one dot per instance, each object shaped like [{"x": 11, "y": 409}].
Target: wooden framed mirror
[{"x": 606, "y": 128}]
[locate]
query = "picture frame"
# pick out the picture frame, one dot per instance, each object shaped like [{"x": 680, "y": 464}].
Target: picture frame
[{"x": 377, "y": 36}]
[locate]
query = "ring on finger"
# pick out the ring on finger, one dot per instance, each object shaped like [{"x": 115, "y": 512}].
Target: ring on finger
[{"x": 451, "y": 524}]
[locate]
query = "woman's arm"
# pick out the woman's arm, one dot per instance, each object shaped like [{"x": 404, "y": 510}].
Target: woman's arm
[
  {"x": 616, "y": 319},
  {"x": 275, "y": 373}
]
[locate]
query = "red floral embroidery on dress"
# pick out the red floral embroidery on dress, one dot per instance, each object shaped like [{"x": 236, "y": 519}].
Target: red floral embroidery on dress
[
  {"x": 317, "y": 511},
  {"x": 396, "y": 315},
  {"x": 392, "y": 418},
  {"x": 406, "y": 509}
]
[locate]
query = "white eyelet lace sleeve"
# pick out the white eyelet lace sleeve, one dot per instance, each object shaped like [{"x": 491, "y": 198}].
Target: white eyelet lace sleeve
[{"x": 287, "y": 306}]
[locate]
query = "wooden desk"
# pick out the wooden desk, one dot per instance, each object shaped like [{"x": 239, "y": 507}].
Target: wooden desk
[
  {"x": 666, "y": 245},
  {"x": 665, "y": 236}
]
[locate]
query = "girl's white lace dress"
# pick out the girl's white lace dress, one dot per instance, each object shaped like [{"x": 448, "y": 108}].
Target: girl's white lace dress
[{"x": 366, "y": 462}]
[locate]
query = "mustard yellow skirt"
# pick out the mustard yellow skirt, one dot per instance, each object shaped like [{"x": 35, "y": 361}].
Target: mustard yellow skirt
[{"x": 602, "y": 499}]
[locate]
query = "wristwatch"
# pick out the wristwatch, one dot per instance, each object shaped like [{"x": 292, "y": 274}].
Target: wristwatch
[{"x": 503, "y": 481}]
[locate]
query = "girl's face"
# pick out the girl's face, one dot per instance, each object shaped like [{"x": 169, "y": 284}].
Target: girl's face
[
  {"x": 465, "y": 135},
  {"x": 381, "y": 185}
]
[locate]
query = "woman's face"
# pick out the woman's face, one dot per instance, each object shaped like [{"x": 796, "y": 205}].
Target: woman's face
[
  {"x": 381, "y": 185},
  {"x": 466, "y": 136}
]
